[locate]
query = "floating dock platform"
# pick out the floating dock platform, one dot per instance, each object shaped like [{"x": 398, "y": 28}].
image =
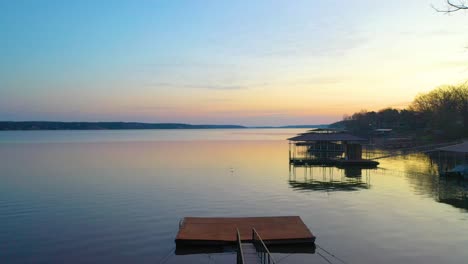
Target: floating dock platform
[{"x": 217, "y": 231}]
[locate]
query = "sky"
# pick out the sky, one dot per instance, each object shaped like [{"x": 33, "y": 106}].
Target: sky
[{"x": 223, "y": 62}]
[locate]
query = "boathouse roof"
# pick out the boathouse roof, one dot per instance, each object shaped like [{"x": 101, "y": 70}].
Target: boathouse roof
[
  {"x": 333, "y": 136},
  {"x": 463, "y": 147}
]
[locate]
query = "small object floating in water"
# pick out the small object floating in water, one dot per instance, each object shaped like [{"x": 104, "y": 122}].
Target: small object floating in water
[{"x": 216, "y": 231}]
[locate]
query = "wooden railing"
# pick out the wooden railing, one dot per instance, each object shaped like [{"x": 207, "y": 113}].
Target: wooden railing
[
  {"x": 262, "y": 251},
  {"x": 240, "y": 254}
]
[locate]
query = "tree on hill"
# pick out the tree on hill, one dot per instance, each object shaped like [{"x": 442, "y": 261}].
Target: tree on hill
[
  {"x": 445, "y": 109},
  {"x": 439, "y": 114}
]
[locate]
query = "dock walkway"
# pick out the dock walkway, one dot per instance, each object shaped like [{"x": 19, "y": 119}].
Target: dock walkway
[{"x": 250, "y": 253}]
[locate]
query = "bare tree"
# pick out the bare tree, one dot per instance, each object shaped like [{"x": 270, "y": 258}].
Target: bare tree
[
  {"x": 453, "y": 7},
  {"x": 446, "y": 108}
]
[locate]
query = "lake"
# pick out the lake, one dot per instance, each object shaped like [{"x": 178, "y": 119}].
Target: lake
[{"x": 118, "y": 196}]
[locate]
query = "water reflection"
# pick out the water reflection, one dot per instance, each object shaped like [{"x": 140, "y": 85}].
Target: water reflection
[
  {"x": 423, "y": 172},
  {"x": 191, "y": 250},
  {"x": 329, "y": 179},
  {"x": 453, "y": 192},
  {"x": 120, "y": 201},
  {"x": 303, "y": 248}
]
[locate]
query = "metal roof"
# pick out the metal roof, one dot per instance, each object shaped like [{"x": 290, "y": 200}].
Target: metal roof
[
  {"x": 463, "y": 147},
  {"x": 326, "y": 137}
]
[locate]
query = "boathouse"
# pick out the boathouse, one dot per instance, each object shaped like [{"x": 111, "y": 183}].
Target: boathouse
[
  {"x": 328, "y": 147},
  {"x": 459, "y": 149},
  {"x": 451, "y": 157}
]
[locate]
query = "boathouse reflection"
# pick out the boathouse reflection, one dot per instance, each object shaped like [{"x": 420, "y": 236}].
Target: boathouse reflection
[
  {"x": 450, "y": 190},
  {"x": 453, "y": 192},
  {"x": 329, "y": 179}
]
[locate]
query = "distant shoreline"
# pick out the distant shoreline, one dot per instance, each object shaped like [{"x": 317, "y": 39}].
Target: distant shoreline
[{"x": 52, "y": 125}]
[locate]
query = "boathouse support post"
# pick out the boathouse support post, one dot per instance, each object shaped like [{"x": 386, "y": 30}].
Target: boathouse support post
[{"x": 345, "y": 144}]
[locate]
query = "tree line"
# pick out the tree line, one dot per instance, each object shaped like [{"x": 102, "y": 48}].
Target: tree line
[{"x": 441, "y": 114}]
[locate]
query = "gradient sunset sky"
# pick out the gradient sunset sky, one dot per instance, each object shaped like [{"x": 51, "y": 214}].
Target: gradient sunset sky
[{"x": 223, "y": 62}]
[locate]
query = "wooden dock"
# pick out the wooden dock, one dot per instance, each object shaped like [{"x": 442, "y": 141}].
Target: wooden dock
[{"x": 213, "y": 231}]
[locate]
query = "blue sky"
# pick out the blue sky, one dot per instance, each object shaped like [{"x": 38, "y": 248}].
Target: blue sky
[{"x": 242, "y": 62}]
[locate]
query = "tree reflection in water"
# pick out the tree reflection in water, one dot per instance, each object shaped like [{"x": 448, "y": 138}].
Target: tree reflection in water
[{"x": 423, "y": 172}]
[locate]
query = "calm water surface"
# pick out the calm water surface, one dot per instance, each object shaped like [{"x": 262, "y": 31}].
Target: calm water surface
[{"x": 118, "y": 196}]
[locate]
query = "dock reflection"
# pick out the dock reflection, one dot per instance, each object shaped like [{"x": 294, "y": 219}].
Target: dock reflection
[
  {"x": 192, "y": 250},
  {"x": 329, "y": 179},
  {"x": 302, "y": 248}
]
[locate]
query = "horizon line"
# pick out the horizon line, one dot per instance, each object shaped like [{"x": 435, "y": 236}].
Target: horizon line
[{"x": 169, "y": 123}]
